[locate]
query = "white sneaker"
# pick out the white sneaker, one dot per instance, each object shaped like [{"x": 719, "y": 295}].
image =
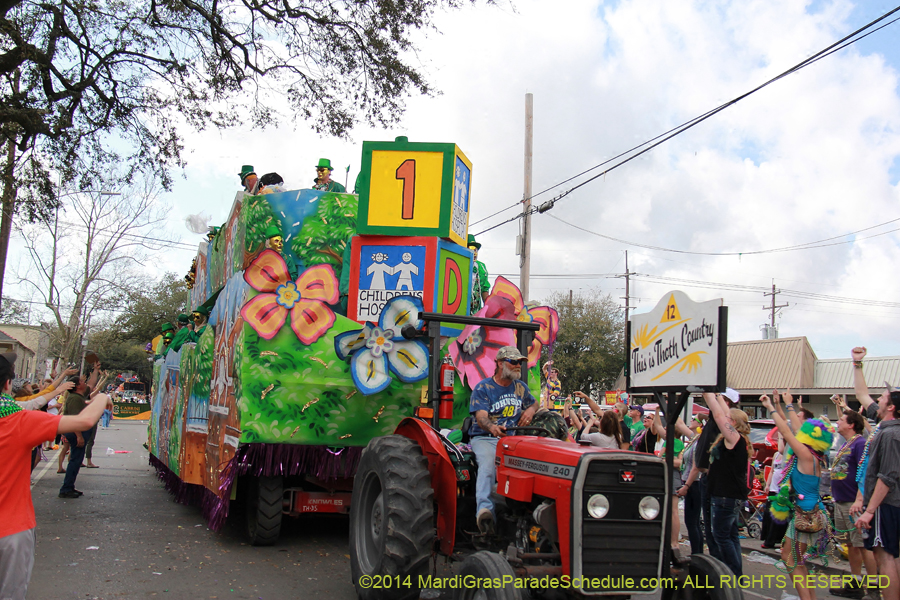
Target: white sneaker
[{"x": 485, "y": 521}]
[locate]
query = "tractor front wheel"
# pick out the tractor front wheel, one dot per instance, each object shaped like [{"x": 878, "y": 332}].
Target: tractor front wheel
[
  {"x": 708, "y": 571},
  {"x": 488, "y": 566},
  {"x": 391, "y": 520}
]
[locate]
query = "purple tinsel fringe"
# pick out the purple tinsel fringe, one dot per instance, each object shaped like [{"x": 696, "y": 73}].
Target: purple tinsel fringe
[
  {"x": 259, "y": 460},
  {"x": 185, "y": 493}
]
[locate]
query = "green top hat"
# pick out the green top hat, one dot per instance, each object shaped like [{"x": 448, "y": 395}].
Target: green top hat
[
  {"x": 166, "y": 327},
  {"x": 325, "y": 163},
  {"x": 272, "y": 231},
  {"x": 472, "y": 242},
  {"x": 183, "y": 318},
  {"x": 203, "y": 310},
  {"x": 246, "y": 170}
]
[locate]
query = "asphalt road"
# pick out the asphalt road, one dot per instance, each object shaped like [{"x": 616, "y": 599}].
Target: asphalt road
[{"x": 127, "y": 538}]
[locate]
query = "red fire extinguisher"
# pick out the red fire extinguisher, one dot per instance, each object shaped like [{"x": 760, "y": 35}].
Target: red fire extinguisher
[{"x": 445, "y": 388}]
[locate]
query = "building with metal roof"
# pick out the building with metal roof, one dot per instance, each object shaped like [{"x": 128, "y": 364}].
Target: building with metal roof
[{"x": 757, "y": 367}]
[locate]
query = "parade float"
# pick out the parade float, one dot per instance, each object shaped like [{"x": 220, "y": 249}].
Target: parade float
[{"x": 297, "y": 360}]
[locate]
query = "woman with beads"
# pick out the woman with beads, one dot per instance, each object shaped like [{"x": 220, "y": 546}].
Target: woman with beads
[{"x": 805, "y": 461}]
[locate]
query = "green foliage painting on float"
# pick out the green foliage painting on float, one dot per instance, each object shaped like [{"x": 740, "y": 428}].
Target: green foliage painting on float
[
  {"x": 324, "y": 235},
  {"x": 297, "y": 394},
  {"x": 258, "y": 216}
]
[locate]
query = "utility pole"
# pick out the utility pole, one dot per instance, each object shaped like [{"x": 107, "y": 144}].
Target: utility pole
[
  {"x": 525, "y": 262},
  {"x": 627, "y": 296},
  {"x": 773, "y": 308}
]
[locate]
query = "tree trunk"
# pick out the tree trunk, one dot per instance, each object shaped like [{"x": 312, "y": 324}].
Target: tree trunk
[{"x": 7, "y": 206}]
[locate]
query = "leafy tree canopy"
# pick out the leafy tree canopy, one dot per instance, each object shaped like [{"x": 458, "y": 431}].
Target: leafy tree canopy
[
  {"x": 74, "y": 69},
  {"x": 149, "y": 307},
  {"x": 589, "y": 350}
]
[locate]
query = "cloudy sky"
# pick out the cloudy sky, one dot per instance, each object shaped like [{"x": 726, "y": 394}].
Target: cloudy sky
[{"x": 814, "y": 156}]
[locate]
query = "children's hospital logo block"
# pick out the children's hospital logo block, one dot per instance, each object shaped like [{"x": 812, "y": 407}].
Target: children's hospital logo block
[
  {"x": 434, "y": 270},
  {"x": 417, "y": 189}
]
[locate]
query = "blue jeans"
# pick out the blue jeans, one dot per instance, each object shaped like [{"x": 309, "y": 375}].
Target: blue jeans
[
  {"x": 707, "y": 516},
  {"x": 76, "y": 457},
  {"x": 725, "y": 519},
  {"x": 692, "y": 508},
  {"x": 485, "y": 449}
]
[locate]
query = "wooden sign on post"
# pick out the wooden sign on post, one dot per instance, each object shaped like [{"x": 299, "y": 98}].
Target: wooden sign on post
[{"x": 677, "y": 345}]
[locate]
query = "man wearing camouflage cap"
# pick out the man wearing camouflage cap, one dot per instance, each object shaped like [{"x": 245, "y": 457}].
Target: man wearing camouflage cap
[{"x": 497, "y": 402}]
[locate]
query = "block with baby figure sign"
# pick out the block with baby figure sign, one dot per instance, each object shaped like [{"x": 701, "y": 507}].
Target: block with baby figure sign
[
  {"x": 413, "y": 188},
  {"x": 429, "y": 268}
]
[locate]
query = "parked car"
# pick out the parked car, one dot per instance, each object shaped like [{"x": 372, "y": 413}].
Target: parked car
[{"x": 764, "y": 445}]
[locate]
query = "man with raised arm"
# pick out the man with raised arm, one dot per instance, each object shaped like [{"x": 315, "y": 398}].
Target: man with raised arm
[{"x": 20, "y": 430}]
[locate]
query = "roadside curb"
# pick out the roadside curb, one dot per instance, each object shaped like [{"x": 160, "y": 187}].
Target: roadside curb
[{"x": 832, "y": 568}]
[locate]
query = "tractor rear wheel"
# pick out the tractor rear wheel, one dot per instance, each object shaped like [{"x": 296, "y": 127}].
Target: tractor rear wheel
[
  {"x": 488, "y": 565},
  {"x": 391, "y": 520},
  {"x": 264, "y": 498}
]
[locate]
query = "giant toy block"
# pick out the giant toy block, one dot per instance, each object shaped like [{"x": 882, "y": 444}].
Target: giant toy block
[
  {"x": 428, "y": 268},
  {"x": 414, "y": 189}
]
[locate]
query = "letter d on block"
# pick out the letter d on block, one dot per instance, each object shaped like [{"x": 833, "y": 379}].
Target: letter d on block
[{"x": 449, "y": 306}]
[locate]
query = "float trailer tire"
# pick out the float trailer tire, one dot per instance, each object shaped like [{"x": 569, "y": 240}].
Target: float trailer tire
[{"x": 264, "y": 510}]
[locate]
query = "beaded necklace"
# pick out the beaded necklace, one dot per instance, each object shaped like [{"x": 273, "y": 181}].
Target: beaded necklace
[
  {"x": 844, "y": 449},
  {"x": 792, "y": 462},
  {"x": 861, "y": 468},
  {"x": 8, "y": 406}
]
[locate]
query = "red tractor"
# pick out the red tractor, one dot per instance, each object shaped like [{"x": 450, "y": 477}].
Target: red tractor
[{"x": 570, "y": 519}]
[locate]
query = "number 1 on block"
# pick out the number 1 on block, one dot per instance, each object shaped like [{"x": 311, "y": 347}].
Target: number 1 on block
[{"x": 407, "y": 173}]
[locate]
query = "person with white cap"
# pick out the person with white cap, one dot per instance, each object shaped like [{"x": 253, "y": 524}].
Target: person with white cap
[
  {"x": 497, "y": 402},
  {"x": 20, "y": 431}
]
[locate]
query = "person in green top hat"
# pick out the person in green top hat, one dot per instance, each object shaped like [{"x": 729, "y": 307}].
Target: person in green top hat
[
  {"x": 481, "y": 287},
  {"x": 200, "y": 317},
  {"x": 183, "y": 334},
  {"x": 248, "y": 179},
  {"x": 276, "y": 243},
  {"x": 323, "y": 180}
]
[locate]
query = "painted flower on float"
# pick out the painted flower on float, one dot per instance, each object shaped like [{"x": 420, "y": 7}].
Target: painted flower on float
[
  {"x": 475, "y": 350},
  {"x": 545, "y": 316},
  {"x": 305, "y": 300},
  {"x": 376, "y": 351}
]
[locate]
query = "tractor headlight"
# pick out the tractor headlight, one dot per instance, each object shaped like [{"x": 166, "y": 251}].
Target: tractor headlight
[
  {"x": 598, "y": 506},
  {"x": 648, "y": 508}
]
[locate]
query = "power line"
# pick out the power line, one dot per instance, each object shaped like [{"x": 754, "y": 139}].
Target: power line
[
  {"x": 664, "y": 137},
  {"x": 804, "y": 246}
]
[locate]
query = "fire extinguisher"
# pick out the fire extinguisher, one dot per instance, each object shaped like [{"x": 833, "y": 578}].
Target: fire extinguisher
[{"x": 445, "y": 388}]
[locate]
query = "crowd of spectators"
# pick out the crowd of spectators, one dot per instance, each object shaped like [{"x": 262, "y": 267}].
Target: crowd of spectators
[{"x": 714, "y": 474}]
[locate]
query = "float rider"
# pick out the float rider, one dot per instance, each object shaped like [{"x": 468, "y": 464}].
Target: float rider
[
  {"x": 200, "y": 316},
  {"x": 183, "y": 334},
  {"x": 275, "y": 241},
  {"x": 323, "y": 181},
  {"x": 166, "y": 330},
  {"x": 481, "y": 287},
  {"x": 249, "y": 179}
]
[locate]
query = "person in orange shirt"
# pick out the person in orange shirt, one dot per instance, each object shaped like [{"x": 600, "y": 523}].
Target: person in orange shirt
[{"x": 20, "y": 431}]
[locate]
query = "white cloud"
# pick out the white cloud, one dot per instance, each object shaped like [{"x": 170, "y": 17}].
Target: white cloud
[{"x": 807, "y": 158}]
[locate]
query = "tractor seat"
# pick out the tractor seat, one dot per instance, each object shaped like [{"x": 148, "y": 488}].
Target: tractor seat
[{"x": 466, "y": 426}]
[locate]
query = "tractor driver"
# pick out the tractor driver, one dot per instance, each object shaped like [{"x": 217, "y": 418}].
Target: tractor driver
[{"x": 497, "y": 402}]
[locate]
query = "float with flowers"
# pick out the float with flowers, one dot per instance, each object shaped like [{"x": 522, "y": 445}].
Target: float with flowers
[{"x": 303, "y": 360}]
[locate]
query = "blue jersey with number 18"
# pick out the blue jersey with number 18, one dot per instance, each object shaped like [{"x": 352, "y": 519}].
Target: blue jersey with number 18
[{"x": 504, "y": 404}]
